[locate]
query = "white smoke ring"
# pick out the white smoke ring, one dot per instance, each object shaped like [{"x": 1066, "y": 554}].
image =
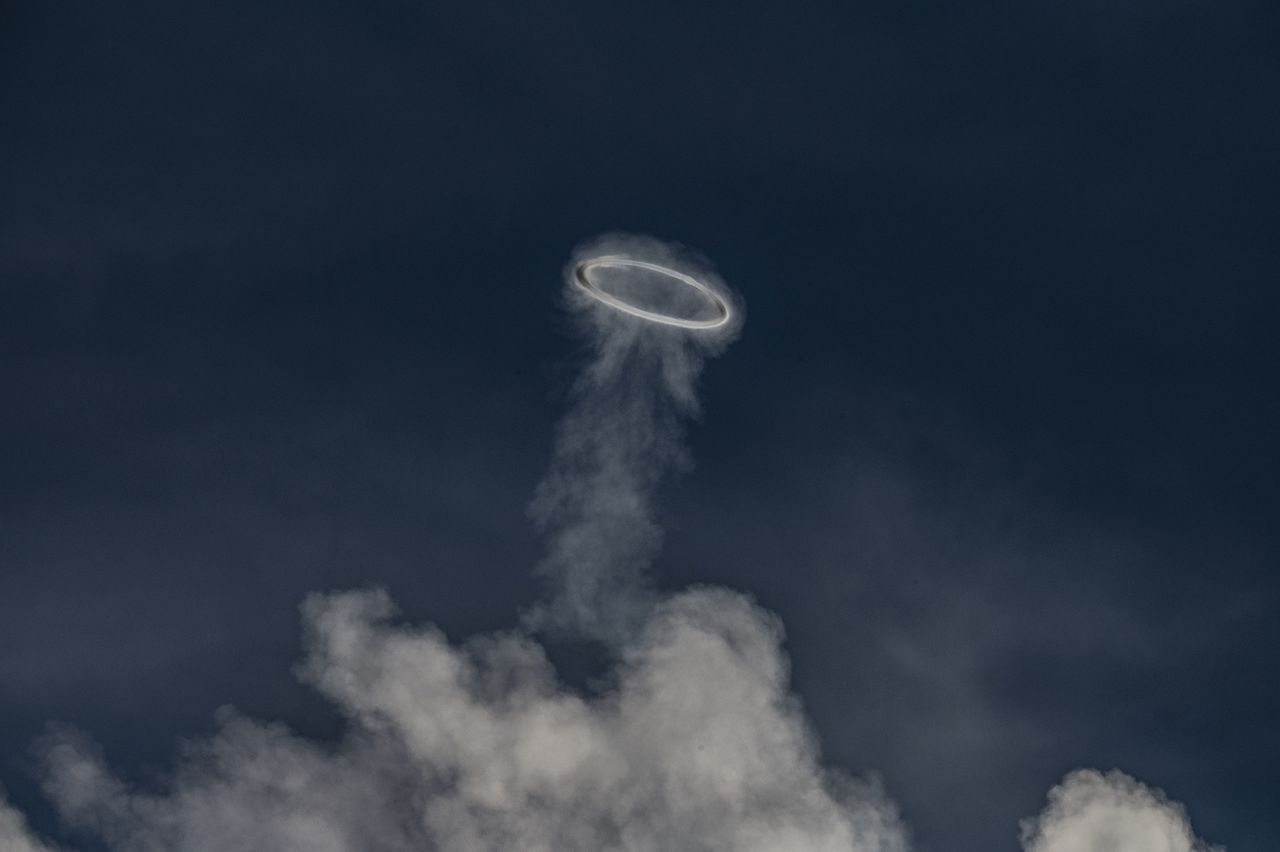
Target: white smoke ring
[{"x": 582, "y": 277}]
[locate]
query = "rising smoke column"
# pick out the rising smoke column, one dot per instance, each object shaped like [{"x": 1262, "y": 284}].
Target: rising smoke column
[
  {"x": 695, "y": 744},
  {"x": 621, "y": 437}
]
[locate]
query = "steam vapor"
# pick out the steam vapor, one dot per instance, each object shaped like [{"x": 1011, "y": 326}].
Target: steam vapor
[{"x": 696, "y": 744}]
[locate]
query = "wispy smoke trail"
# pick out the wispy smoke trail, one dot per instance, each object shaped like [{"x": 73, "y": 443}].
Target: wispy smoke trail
[
  {"x": 694, "y": 744},
  {"x": 621, "y": 436}
]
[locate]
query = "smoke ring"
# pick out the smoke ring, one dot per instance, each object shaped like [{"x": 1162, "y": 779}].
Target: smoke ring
[{"x": 581, "y": 275}]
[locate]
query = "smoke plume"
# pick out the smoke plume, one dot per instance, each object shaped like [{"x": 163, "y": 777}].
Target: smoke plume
[
  {"x": 620, "y": 437},
  {"x": 692, "y": 743}
]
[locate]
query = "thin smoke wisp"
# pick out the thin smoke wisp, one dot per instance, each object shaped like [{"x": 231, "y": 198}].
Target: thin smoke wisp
[{"x": 620, "y": 437}]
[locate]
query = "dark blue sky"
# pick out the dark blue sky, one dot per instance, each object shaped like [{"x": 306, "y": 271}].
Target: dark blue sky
[{"x": 278, "y": 313}]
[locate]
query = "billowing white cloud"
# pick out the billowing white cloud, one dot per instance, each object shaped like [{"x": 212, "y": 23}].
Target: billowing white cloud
[
  {"x": 696, "y": 745},
  {"x": 1095, "y": 812}
]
